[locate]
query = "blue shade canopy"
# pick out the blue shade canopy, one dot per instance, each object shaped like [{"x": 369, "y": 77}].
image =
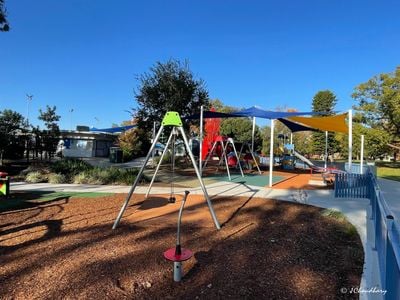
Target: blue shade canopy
[
  {"x": 113, "y": 129},
  {"x": 267, "y": 114},
  {"x": 295, "y": 127},
  {"x": 208, "y": 114}
]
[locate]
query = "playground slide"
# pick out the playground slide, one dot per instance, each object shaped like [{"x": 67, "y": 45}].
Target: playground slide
[{"x": 304, "y": 159}]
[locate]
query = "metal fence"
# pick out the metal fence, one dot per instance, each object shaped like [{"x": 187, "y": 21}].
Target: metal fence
[
  {"x": 386, "y": 239},
  {"x": 349, "y": 185}
]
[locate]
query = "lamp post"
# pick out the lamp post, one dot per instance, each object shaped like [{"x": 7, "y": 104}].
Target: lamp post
[
  {"x": 70, "y": 118},
  {"x": 28, "y": 101}
]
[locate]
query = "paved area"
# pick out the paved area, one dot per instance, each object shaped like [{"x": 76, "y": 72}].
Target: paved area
[{"x": 391, "y": 192}]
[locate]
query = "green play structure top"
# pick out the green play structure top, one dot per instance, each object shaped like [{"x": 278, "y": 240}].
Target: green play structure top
[{"x": 172, "y": 118}]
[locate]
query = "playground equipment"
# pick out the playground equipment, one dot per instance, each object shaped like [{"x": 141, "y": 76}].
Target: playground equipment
[
  {"x": 245, "y": 146},
  {"x": 173, "y": 120},
  {"x": 319, "y": 176},
  {"x": 4, "y": 184},
  {"x": 288, "y": 159},
  {"x": 178, "y": 254},
  {"x": 229, "y": 161}
]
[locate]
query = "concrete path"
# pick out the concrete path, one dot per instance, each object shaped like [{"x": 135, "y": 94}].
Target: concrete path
[
  {"x": 357, "y": 211},
  {"x": 391, "y": 192}
]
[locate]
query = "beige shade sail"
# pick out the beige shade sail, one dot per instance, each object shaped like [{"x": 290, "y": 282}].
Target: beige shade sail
[{"x": 335, "y": 123}]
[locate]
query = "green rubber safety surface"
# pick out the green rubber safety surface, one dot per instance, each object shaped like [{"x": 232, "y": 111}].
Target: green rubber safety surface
[{"x": 172, "y": 118}]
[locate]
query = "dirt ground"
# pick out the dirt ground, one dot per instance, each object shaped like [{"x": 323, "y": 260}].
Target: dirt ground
[{"x": 266, "y": 249}]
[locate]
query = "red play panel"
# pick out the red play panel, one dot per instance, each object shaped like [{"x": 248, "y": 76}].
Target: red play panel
[{"x": 170, "y": 255}]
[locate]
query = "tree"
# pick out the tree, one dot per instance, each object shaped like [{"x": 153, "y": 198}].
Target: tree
[
  {"x": 50, "y": 136},
  {"x": 379, "y": 104},
  {"x": 324, "y": 102},
  {"x": 50, "y": 118},
  {"x": 3, "y": 17},
  {"x": 132, "y": 143},
  {"x": 169, "y": 86},
  {"x": 10, "y": 123}
]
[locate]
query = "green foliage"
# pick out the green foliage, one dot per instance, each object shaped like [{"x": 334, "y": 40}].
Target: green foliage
[
  {"x": 106, "y": 176},
  {"x": 324, "y": 101},
  {"x": 55, "y": 178},
  {"x": 379, "y": 105},
  {"x": 3, "y": 18},
  {"x": 70, "y": 167},
  {"x": 133, "y": 143},
  {"x": 49, "y": 138},
  {"x": 50, "y": 118},
  {"x": 169, "y": 86},
  {"x": 79, "y": 171},
  {"x": 11, "y": 123},
  {"x": 35, "y": 177},
  {"x": 240, "y": 129}
]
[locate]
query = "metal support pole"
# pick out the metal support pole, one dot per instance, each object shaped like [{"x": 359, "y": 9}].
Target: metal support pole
[
  {"x": 326, "y": 150},
  {"x": 214, "y": 217},
  {"x": 177, "y": 271},
  {"x": 178, "y": 231},
  {"x": 350, "y": 139},
  {"x": 230, "y": 140},
  {"x": 225, "y": 158},
  {"x": 138, "y": 177},
  {"x": 252, "y": 134},
  {"x": 209, "y": 154},
  {"x": 159, "y": 163},
  {"x": 362, "y": 155},
  {"x": 172, "y": 197},
  {"x": 291, "y": 138},
  {"x": 271, "y": 153},
  {"x": 154, "y": 135},
  {"x": 201, "y": 140}
]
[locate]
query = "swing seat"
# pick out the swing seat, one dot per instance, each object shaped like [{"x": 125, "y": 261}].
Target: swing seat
[{"x": 232, "y": 161}]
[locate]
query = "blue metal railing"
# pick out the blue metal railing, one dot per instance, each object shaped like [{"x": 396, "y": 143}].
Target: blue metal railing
[
  {"x": 386, "y": 227},
  {"x": 351, "y": 185}
]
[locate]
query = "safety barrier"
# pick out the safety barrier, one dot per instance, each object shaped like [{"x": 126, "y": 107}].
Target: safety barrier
[
  {"x": 352, "y": 185},
  {"x": 387, "y": 230}
]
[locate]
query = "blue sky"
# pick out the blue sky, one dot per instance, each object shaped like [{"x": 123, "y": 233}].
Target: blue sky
[{"x": 85, "y": 55}]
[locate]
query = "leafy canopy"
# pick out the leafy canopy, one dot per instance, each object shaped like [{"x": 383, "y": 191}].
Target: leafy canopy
[
  {"x": 3, "y": 18},
  {"x": 324, "y": 101},
  {"x": 10, "y": 123},
  {"x": 379, "y": 102},
  {"x": 169, "y": 86},
  {"x": 50, "y": 118}
]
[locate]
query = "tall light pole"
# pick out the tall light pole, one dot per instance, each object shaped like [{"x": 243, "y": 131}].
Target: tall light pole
[
  {"x": 28, "y": 101},
  {"x": 70, "y": 118}
]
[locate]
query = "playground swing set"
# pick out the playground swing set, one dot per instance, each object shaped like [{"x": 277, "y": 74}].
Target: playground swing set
[
  {"x": 172, "y": 120},
  {"x": 230, "y": 159}
]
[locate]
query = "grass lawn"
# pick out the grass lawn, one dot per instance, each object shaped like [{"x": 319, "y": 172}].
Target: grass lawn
[{"x": 388, "y": 170}]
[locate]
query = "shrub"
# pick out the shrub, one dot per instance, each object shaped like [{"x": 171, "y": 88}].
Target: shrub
[
  {"x": 81, "y": 178},
  {"x": 70, "y": 167},
  {"x": 133, "y": 143},
  {"x": 57, "y": 178},
  {"x": 35, "y": 177}
]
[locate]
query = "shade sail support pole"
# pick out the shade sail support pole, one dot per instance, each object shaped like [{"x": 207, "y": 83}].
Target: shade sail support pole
[
  {"x": 201, "y": 141},
  {"x": 362, "y": 155},
  {"x": 253, "y": 134},
  {"x": 350, "y": 139},
  {"x": 271, "y": 153}
]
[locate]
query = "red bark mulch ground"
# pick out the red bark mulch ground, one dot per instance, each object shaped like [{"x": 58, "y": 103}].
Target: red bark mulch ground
[{"x": 266, "y": 249}]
